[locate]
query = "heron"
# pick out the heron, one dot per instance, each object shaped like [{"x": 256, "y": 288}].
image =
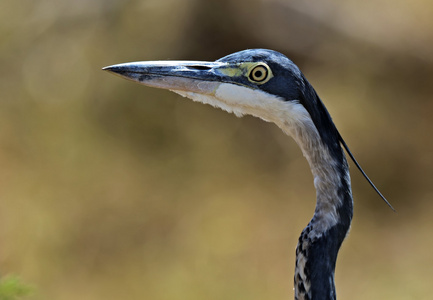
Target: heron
[{"x": 268, "y": 85}]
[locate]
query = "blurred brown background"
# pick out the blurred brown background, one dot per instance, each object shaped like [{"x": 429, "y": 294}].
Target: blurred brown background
[{"x": 111, "y": 190}]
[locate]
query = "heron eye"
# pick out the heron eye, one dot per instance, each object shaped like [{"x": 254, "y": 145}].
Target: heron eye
[{"x": 259, "y": 74}]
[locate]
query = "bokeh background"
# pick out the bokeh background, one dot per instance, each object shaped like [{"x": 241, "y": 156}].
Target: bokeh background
[{"x": 111, "y": 190}]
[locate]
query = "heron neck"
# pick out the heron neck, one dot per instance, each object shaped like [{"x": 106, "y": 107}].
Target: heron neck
[{"x": 320, "y": 241}]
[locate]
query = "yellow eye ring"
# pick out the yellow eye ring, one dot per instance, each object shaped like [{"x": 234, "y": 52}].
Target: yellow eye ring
[{"x": 259, "y": 74}]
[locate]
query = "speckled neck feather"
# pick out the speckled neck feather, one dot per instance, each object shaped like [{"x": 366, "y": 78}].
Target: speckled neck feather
[
  {"x": 320, "y": 241},
  {"x": 318, "y": 245}
]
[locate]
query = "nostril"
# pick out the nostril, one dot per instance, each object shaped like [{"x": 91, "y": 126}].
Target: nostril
[{"x": 201, "y": 68}]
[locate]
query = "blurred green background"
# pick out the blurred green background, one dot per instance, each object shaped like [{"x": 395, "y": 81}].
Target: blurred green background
[{"x": 111, "y": 190}]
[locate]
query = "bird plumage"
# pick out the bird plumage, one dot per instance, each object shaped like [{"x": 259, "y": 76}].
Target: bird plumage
[{"x": 268, "y": 85}]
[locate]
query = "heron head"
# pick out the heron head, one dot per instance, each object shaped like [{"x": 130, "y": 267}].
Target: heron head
[{"x": 258, "y": 82}]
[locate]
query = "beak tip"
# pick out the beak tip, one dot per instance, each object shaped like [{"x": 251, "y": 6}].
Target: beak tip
[
  {"x": 114, "y": 69},
  {"x": 108, "y": 68},
  {"x": 124, "y": 71}
]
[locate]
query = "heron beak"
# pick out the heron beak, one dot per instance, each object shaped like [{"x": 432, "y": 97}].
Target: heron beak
[{"x": 187, "y": 76}]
